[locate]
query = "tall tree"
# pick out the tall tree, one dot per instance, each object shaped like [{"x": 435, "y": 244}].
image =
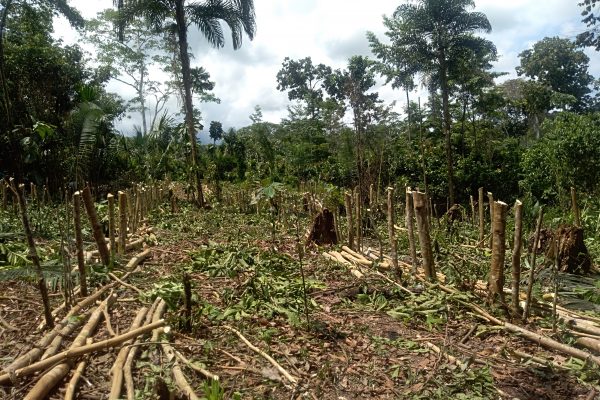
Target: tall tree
[
  {"x": 353, "y": 86},
  {"x": 215, "y": 131},
  {"x": 129, "y": 61},
  {"x": 206, "y": 16},
  {"x": 558, "y": 64},
  {"x": 431, "y": 35},
  {"x": 303, "y": 80}
]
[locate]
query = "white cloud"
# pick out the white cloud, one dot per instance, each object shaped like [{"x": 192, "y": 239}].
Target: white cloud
[{"x": 330, "y": 32}]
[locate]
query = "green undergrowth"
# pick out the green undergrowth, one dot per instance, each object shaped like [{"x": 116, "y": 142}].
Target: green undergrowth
[{"x": 259, "y": 284}]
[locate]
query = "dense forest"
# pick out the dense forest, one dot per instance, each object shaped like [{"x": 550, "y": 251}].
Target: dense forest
[{"x": 362, "y": 244}]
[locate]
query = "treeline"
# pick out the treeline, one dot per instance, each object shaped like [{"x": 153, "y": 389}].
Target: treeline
[{"x": 534, "y": 136}]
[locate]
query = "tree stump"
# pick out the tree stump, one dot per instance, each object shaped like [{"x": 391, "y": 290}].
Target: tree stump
[
  {"x": 573, "y": 255},
  {"x": 323, "y": 229}
]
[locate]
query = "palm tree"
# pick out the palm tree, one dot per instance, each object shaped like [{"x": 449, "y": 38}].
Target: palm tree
[
  {"x": 173, "y": 15},
  {"x": 431, "y": 36}
]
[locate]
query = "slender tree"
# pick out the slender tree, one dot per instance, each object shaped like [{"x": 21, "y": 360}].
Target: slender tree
[
  {"x": 432, "y": 35},
  {"x": 206, "y": 16}
]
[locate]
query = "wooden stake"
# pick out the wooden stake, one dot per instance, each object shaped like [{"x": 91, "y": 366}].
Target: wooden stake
[
  {"x": 410, "y": 226},
  {"x": 575, "y": 207},
  {"x": 536, "y": 240},
  {"x": 358, "y": 205},
  {"x": 516, "y": 257},
  {"x": 111, "y": 226},
  {"x": 491, "y": 204},
  {"x": 481, "y": 217},
  {"x": 33, "y": 255},
  {"x": 79, "y": 243},
  {"x": 420, "y": 206},
  {"x": 349, "y": 212},
  {"x": 122, "y": 222},
  {"x": 391, "y": 233},
  {"x": 496, "y": 281},
  {"x": 472, "y": 210},
  {"x": 96, "y": 228}
]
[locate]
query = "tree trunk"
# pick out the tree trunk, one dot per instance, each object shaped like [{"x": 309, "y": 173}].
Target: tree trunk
[
  {"x": 575, "y": 207},
  {"x": 79, "y": 243},
  {"x": 516, "y": 257},
  {"x": 447, "y": 127},
  {"x": 122, "y": 222},
  {"x": 111, "y": 226},
  {"x": 33, "y": 255},
  {"x": 420, "y": 205},
  {"x": 187, "y": 94},
  {"x": 496, "y": 282},
  {"x": 410, "y": 226},
  {"x": 96, "y": 228},
  {"x": 349, "y": 212},
  {"x": 536, "y": 239},
  {"x": 391, "y": 233},
  {"x": 481, "y": 217}
]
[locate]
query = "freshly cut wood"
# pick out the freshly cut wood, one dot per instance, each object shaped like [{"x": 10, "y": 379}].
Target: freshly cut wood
[
  {"x": 350, "y": 266},
  {"x": 481, "y": 217},
  {"x": 178, "y": 375},
  {"x": 111, "y": 226},
  {"x": 51, "y": 378},
  {"x": 267, "y": 357},
  {"x": 160, "y": 309},
  {"x": 589, "y": 343},
  {"x": 96, "y": 227},
  {"x": 79, "y": 243},
  {"x": 420, "y": 206},
  {"x": 391, "y": 232},
  {"x": 74, "y": 323},
  {"x": 127, "y": 285},
  {"x": 72, "y": 386},
  {"x": 496, "y": 280},
  {"x": 117, "y": 368},
  {"x": 538, "y": 228},
  {"x": 491, "y": 205},
  {"x": 552, "y": 344},
  {"x": 516, "y": 257},
  {"x": 196, "y": 368},
  {"x": 361, "y": 259},
  {"x": 79, "y": 351},
  {"x": 349, "y": 212},
  {"x": 127, "y": 368},
  {"x": 122, "y": 222},
  {"x": 33, "y": 255},
  {"x": 134, "y": 244},
  {"x": 358, "y": 214},
  {"x": 356, "y": 260}
]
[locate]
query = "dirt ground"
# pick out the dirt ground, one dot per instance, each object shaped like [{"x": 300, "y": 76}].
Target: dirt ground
[{"x": 352, "y": 348}]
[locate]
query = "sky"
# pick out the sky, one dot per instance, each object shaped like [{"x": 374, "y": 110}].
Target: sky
[{"x": 331, "y": 31}]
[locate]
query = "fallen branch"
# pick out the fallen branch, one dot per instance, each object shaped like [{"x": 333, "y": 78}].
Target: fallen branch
[
  {"x": 79, "y": 351},
  {"x": 127, "y": 375},
  {"x": 51, "y": 378},
  {"x": 137, "y": 259},
  {"x": 72, "y": 386},
  {"x": 283, "y": 372},
  {"x": 6, "y": 325},
  {"x": 127, "y": 285},
  {"x": 67, "y": 330},
  {"x": 179, "y": 377},
  {"x": 117, "y": 368},
  {"x": 196, "y": 368}
]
